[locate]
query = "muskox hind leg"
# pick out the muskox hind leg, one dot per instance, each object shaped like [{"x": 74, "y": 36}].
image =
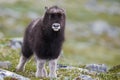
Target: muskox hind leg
[
  {"x": 21, "y": 65},
  {"x": 41, "y": 71},
  {"x": 25, "y": 56},
  {"x": 52, "y": 67}
]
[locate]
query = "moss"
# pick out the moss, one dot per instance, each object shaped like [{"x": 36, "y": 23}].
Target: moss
[
  {"x": 109, "y": 76},
  {"x": 10, "y": 78},
  {"x": 114, "y": 69}
]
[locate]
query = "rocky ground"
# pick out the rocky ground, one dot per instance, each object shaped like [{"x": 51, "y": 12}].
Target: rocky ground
[{"x": 64, "y": 71}]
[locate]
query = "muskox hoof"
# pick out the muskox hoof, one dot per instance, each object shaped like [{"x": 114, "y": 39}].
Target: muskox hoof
[
  {"x": 53, "y": 75},
  {"x": 41, "y": 74},
  {"x": 19, "y": 69}
]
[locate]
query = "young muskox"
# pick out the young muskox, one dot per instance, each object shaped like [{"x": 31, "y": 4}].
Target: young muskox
[{"x": 44, "y": 37}]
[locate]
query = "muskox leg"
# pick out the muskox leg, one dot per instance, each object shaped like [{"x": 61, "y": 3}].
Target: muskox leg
[
  {"x": 22, "y": 61},
  {"x": 41, "y": 71},
  {"x": 26, "y": 53},
  {"x": 52, "y": 67}
]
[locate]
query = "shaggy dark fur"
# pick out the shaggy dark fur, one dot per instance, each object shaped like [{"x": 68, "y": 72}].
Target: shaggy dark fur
[{"x": 41, "y": 39}]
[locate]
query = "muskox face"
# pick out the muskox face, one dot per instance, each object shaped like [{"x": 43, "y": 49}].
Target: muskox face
[
  {"x": 54, "y": 18},
  {"x": 56, "y": 26}
]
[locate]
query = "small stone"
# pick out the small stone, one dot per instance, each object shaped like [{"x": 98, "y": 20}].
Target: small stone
[
  {"x": 5, "y": 64},
  {"x": 84, "y": 77},
  {"x": 100, "y": 68},
  {"x": 16, "y": 43},
  {"x": 61, "y": 66}
]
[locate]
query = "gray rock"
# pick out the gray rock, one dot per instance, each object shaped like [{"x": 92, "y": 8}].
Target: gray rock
[
  {"x": 100, "y": 68},
  {"x": 5, "y": 64},
  {"x": 84, "y": 77},
  {"x": 95, "y": 6},
  {"x": 5, "y": 73},
  {"x": 16, "y": 43},
  {"x": 114, "y": 9},
  {"x": 61, "y": 66},
  {"x": 101, "y": 27},
  {"x": 9, "y": 12}
]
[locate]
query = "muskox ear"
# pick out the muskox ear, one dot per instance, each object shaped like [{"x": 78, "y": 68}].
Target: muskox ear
[{"x": 46, "y": 8}]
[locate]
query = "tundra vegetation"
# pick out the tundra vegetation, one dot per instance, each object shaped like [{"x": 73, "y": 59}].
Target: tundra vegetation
[{"x": 87, "y": 41}]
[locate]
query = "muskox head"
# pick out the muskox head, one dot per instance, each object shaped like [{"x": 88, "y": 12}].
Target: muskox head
[{"x": 54, "y": 18}]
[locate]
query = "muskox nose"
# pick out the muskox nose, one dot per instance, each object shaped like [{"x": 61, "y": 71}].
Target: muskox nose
[{"x": 56, "y": 26}]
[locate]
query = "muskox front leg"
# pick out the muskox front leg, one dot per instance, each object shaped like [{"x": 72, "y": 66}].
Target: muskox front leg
[
  {"x": 41, "y": 71},
  {"x": 52, "y": 67}
]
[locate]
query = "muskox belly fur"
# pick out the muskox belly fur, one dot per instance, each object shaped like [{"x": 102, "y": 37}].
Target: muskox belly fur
[{"x": 44, "y": 38}]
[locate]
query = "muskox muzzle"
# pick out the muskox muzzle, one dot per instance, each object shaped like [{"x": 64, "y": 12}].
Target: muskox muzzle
[{"x": 56, "y": 26}]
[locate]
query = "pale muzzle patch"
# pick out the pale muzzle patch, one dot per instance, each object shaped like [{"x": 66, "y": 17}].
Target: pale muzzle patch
[{"x": 56, "y": 26}]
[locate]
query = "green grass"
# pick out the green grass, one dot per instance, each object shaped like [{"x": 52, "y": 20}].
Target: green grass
[
  {"x": 90, "y": 54},
  {"x": 73, "y": 55}
]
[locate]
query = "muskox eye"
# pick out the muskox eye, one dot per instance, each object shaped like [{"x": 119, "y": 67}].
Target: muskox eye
[
  {"x": 59, "y": 15},
  {"x": 52, "y": 16}
]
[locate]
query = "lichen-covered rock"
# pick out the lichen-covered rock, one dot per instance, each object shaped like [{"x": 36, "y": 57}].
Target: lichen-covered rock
[
  {"x": 5, "y": 73},
  {"x": 97, "y": 67},
  {"x": 84, "y": 77}
]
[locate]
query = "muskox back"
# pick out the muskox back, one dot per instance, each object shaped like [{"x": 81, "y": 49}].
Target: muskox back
[{"x": 44, "y": 36}]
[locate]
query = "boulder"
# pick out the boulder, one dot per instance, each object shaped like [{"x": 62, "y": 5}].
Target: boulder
[{"x": 5, "y": 73}]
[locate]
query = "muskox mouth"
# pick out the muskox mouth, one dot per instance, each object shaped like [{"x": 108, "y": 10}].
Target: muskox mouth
[{"x": 56, "y": 26}]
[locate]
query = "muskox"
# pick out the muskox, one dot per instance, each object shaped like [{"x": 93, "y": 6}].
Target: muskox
[{"x": 44, "y": 38}]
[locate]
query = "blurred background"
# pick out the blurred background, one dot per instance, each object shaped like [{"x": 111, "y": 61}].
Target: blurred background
[{"x": 92, "y": 27}]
